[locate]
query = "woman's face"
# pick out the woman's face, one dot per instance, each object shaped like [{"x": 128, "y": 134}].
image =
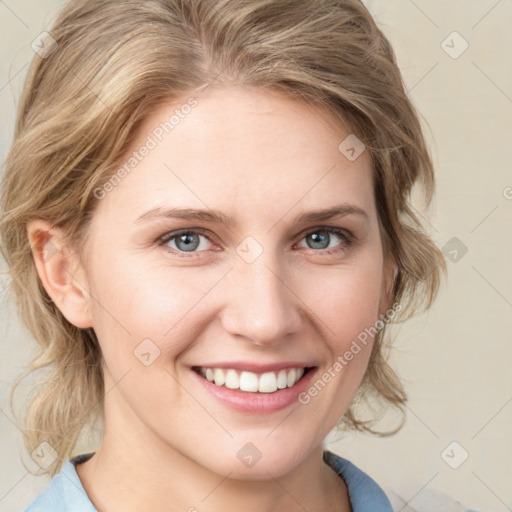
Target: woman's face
[{"x": 248, "y": 286}]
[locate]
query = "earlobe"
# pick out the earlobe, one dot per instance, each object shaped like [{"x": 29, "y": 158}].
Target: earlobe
[{"x": 61, "y": 272}]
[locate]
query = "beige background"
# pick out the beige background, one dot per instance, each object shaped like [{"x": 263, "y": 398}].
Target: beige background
[{"x": 456, "y": 360}]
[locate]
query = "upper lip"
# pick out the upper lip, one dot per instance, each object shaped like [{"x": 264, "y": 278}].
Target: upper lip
[{"x": 256, "y": 367}]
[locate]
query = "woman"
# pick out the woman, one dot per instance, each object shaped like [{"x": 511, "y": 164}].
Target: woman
[{"x": 207, "y": 221}]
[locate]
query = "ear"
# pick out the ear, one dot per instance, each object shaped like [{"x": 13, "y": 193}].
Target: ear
[
  {"x": 61, "y": 272},
  {"x": 386, "y": 296}
]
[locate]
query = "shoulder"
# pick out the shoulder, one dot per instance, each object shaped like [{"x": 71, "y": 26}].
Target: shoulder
[
  {"x": 365, "y": 494},
  {"x": 50, "y": 498},
  {"x": 64, "y": 493}
]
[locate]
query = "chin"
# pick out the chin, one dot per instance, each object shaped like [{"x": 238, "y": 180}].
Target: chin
[{"x": 258, "y": 460}]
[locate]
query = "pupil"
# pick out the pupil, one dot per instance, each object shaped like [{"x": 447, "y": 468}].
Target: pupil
[
  {"x": 186, "y": 239},
  {"x": 319, "y": 239}
]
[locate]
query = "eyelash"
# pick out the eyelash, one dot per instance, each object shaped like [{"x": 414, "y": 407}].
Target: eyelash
[{"x": 347, "y": 237}]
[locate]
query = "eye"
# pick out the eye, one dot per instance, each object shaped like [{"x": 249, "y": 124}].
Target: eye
[
  {"x": 321, "y": 238},
  {"x": 185, "y": 240},
  {"x": 193, "y": 241}
]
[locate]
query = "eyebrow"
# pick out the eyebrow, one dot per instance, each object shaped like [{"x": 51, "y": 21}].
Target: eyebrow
[{"x": 215, "y": 216}]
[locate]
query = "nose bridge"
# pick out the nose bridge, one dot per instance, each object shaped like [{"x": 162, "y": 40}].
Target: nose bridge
[{"x": 261, "y": 306}]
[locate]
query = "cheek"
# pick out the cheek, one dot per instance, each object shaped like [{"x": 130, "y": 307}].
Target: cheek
[
  {"x": 134, "y": 303},
  {"x": 137, "y": 295},
  {"x": 346, "y": 299}
]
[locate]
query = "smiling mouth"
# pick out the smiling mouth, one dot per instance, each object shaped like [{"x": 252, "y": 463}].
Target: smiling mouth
[{"x": 268, "y": 382}]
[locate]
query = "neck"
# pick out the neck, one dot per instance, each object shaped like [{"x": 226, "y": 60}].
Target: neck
[
  {"x": 135, "y": 482},
  {"x": 134, "y": 469}
]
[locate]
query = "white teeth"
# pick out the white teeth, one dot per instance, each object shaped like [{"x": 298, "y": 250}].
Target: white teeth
[
  {"x": 232, "y": 379},
  {"x": 248, "y": 381},
  {"x": 282, "y": 381},
  {"x": 290, "y": 379},
  {"x": 268, "y": 382},
  {"x": 218, "y": 376}
]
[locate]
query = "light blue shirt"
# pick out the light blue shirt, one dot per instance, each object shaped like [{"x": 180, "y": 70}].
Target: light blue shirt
[{"x": 65, "y": 492}]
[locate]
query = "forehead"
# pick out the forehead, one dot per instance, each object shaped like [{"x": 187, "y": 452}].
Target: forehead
[{"x": 244, "y": 151}]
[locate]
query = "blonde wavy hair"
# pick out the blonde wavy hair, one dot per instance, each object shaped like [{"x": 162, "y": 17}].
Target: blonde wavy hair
[{"x": 112, "y": 63}]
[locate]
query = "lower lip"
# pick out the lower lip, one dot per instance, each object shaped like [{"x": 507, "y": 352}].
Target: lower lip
[{"x": 244, "y": 401}]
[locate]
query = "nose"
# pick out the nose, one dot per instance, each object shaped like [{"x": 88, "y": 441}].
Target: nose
[{"x": 261, "y": 305}]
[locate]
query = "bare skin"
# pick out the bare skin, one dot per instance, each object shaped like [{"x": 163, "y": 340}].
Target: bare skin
[{"x": 261, "y": 159}]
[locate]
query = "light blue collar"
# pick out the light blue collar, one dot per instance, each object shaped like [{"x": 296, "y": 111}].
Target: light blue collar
[{"x": 364, "y": 493}]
